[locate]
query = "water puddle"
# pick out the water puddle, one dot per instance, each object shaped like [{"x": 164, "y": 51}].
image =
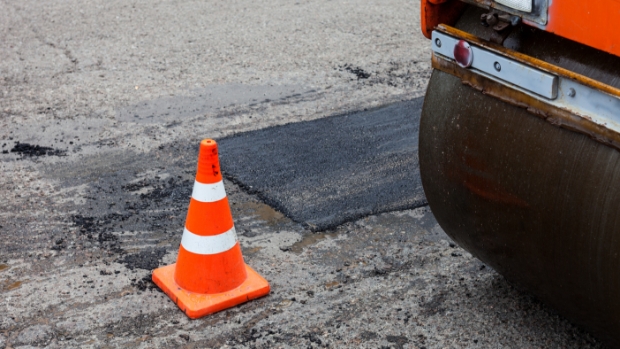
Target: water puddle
[
  {"x": 309, "y": 240},
  {"x": 332, "y": 284},
  {"x": 252, "y": 250},
  {"x": 9, "y": 285},
  {"x": 14, "y": 285},
  {"x": 208, "y": 100},
  {"x": 263, "y": 212}
]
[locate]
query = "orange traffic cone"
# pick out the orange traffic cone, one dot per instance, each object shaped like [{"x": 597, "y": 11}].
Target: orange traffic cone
[{"x": 209, "y": 274}]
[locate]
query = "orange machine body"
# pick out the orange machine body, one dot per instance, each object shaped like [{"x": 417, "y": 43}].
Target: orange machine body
[{"x": 592, "y": 23}]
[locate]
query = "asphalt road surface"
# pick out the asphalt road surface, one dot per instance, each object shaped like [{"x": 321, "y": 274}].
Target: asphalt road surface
[{"x": 102, "y": 106}]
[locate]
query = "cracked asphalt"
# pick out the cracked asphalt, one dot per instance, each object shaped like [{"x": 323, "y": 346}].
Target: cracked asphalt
[{"x": 102, "y": 106}]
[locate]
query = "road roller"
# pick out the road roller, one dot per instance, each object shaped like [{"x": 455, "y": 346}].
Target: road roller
[{"x": 520, "y": 146}]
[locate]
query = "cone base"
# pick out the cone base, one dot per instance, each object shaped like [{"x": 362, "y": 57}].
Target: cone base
[{"x": 196, "y": 305}]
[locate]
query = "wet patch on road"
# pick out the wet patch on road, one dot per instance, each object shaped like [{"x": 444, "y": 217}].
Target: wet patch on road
[
  {"x": 9, "y": 284},
  {"x": 261, "y": 211},
  {"x": 214, "y": 98},
  {"x": 326, "y": 172}
]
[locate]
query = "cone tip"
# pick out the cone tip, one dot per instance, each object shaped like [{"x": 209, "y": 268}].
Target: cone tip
[
  {"x": 208, "y": 163},
  {"x": 208, "y": 143}
]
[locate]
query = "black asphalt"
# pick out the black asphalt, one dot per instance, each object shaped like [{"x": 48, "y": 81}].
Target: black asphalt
[{"x": 328, "y": 171}]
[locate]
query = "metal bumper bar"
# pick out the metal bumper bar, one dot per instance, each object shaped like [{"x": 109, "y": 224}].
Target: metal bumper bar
[{"x": 560, "y": 96}]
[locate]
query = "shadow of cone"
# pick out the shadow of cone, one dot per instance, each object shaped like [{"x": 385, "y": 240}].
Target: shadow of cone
[{"x": 210, "y": 274}]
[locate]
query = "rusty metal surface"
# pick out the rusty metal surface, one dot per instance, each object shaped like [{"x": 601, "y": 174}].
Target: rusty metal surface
[
  {"x": 535, "y": 201},
  {"x": 553, "y": 49},
  {"x": 537, "y": 107},
  {"x": 564, "y": 117},
  {"x": 502, "y": 25},
  {"x": 599, "y": 124}
]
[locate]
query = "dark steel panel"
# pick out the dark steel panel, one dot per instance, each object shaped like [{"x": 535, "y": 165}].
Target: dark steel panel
[{"x": 536, "y": 202}]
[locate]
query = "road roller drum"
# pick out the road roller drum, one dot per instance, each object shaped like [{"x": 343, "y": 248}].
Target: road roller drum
[{"x": 522, "y": 171}]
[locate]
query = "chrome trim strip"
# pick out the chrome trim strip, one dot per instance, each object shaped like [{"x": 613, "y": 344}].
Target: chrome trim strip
[
  {"x": 581, "y": 100},
  {"x": 501, "y": 67},
  {"x": 600, "y": 107}
]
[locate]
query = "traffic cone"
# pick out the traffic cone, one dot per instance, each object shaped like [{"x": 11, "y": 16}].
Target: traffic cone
[{"x": 210, "y": 274}]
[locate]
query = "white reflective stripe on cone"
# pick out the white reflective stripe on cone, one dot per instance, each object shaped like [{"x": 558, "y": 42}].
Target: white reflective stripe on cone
[
  {"x": 209, "y": 244},
  {"x": 208, "y": 192}
]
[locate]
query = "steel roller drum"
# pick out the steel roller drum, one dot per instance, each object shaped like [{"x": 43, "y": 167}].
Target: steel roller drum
[{"x": 538, "y": 203}]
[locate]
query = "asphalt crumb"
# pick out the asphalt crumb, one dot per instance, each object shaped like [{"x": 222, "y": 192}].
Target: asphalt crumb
[
  {"x": 172, "y": 192},
  {"x": 146, "y": 283},
  {"x": 131, "y": 187},
  {"x": 84, "y": 223},
  {"x": 368, "y": 335},
  {"x": 357, "y": 71},
  {"x": 147, "y": 259},
  {"x": 30, "y": 150},
  {"x": 434, "y": 306},
  {"x": 398, "y": 341},
  {"x": 59, "y": 244},
  {"x": 313, "y": 338},
  {"x": 99, "y": 229}
]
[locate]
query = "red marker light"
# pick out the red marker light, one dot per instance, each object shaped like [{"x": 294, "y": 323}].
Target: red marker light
[{"x": 463, "y": 54}]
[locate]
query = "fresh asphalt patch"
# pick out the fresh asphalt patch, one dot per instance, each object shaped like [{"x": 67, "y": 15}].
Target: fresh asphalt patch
[{"x": 329, "y": 171}]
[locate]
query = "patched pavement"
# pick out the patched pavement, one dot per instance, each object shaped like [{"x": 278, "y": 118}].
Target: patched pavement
[
  {"x": 76, "y": 271},
  {"x": 329, "y": 171}
]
